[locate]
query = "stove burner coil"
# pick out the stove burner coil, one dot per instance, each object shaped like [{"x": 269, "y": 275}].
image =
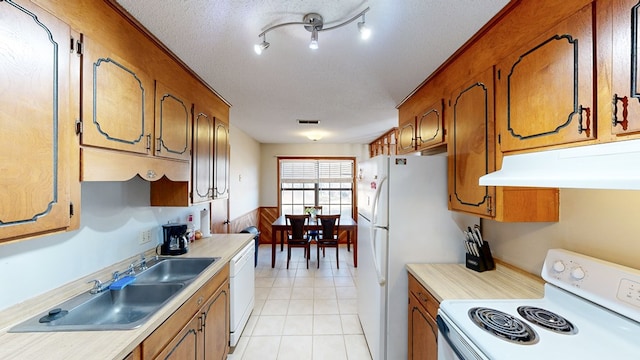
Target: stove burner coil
[
  {"x": 503, "y": 325},
  {"x": 547, "y": 320}
]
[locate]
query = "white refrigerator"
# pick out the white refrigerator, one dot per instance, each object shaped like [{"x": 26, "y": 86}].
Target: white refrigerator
[{"x": 402, "y": 218}]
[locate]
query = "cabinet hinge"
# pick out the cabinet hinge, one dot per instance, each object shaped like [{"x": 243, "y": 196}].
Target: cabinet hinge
[
  {"x": 79, "y": 127},
  {"x": 499, "y": 139},
  {"x": 489, "y": 205},
  {"x": 71, "y": 210},
  {"x": 72, "y": 44},
  {"x": 148, "y": 143},
  {"x": 79, "y": 47},
  {"x": 498, "y": 74},
  {"x": 201, "y": 321}
]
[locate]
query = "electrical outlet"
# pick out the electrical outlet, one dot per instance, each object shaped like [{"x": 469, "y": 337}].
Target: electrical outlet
[{"x": 145, "y": 237}]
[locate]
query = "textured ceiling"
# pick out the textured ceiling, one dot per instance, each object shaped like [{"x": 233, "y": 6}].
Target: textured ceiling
[{"x": 352, "y": 86}]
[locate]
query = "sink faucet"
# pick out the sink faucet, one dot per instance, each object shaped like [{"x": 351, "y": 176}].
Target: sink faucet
[
  {"x": 116, "y": 276},
  {"x": 98, "y": 286}
]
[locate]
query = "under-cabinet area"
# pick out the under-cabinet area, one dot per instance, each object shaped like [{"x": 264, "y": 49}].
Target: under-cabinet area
[{"x": 174, "y": 329}]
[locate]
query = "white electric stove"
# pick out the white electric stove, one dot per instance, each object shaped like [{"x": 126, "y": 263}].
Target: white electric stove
[{"x": 590, "y": 310}]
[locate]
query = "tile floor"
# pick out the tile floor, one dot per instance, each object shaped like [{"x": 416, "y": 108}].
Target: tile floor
[{"x": 303, "y": 314}]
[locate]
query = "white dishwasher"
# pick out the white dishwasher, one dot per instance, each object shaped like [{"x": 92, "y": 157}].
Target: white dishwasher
[{"x": 242, "y": 289}]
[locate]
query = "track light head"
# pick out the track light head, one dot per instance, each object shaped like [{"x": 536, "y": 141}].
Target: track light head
[
  {"x": 258, "y": 48},
  {"x": 365, "y": 32},
  {"x": 314, "y": 40}
]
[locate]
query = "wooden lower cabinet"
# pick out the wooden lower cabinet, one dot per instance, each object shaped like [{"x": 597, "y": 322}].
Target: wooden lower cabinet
[
  {"x": 199, "y": 329},
  {"x": 423, "y": 330}
]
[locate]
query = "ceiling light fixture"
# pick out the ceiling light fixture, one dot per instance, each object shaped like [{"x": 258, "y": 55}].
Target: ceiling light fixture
[
  {"x": 258, "y": 48},
  {"x": 314, "y": 23}
]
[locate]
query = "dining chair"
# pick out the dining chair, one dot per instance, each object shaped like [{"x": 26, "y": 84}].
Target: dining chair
[
  {"x": 329, "y": 235},
  {"x": 297, "y": 235}
]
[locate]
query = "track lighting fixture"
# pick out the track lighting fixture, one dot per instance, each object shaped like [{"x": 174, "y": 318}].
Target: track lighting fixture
[
  {"x": 258, "y": 48},
  {"x": 314, "y": 23}
]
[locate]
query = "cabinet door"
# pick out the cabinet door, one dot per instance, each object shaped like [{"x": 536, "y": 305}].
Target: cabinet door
[
  {"x": 187, "y": 344},
  {"x": 471, "y": 148},
  {"x": 172, "y": 124},
  {"x": 423, "y": 333},
  {"x": 36, "y": 139},
  {"x": 221, "y": 160},
  {"x": 407, "y": 135},
  {"x": 216, "y": 320},
  {"x": 430, "y": 126},
  {"x": 626, "y": 91},
  {"x": 118, "y": 101},
  {"x": 544, "y": 91},
  {"x": 202, "y": 161}
]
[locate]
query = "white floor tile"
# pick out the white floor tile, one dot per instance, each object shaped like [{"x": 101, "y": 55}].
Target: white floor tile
[
  {"x": 295, "y": 348},
  {"x": 269, "y": 325},
  {"x": 324, "y": 293},
  {"x": 351, "y": 324},
  {"x": 329, "y": 347},
  {"x": 302, "y": 293},
  {"x": 262, "y": 348},
  {"x": 298, "y": 325},
  {"x": 347, "y": 292},
  {"x": 279, "y": 293},
  {"x": 300, "y": 307},
  {"x": 325, "y": 307},
  {"x": 327, "y": 325},
  {"x": 348, "y": 306},
  {"x": 275, "y": 307},
  {"x": 357, "y": 347}
]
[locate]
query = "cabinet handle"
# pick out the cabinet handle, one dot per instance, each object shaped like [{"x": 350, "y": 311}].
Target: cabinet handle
[
  {"x": 581, "y": 128},
  {"x": 422, "y": 297},
  {"x": 625, "y": 112}
]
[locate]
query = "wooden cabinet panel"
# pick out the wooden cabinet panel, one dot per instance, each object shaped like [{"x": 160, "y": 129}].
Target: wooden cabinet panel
[
  {"x": 186, "y": 345},
  {"x": 471, "y": 145},
  {"x": 430, "y": 126},
  {"x": 544, "y": 91},
  {"x": 118, "y": 101},
  {"x": 202, "y": 162},
  {"x": 172, "y": 124},
  {"x": 407, "y": 136},
  {"x": 626, "y": 92},
  {"x": 36, "y": 117},
  {"x": 221, "y": 160},
  {"x": 423, "y": 330},
  {"x": 216, "y": 320}
]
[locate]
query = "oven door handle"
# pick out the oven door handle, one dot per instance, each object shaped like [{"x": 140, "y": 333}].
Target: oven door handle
[{"x": 444, "y": 330}]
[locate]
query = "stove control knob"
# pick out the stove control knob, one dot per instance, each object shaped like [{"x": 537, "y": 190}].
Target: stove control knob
[
  {"x": 577, "y": 273},
  {"x": 558, "y": 266}
]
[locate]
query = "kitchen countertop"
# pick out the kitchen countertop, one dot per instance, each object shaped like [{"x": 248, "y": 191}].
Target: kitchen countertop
[
  {"x": 104, "y": 344},
  {"x": 455, "y": 281}
]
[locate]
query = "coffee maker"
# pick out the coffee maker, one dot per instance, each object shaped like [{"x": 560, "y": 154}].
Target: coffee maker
[{"x": 175, "y": 239}]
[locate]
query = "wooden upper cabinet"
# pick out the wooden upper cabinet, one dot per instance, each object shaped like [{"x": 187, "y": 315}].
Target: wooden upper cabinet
[
  {"x": 221, "y": 160},
  {"x": 407, "y": 135},
  {"x": 471, "y": 145},
  {"x": 202, "y": 162},
  {"x": 36, "y": 121},
  {"x": 430, "y": 126},
  {"x": 118, "y": 101},
  {"x": 423, "y": 130},
  {"x": 625, "y": 116},
  {"x": 172, "y": 124},
  {"x": 544, "y": 90}
]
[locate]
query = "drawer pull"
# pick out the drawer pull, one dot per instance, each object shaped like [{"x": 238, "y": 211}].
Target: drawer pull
[{"x": 422, "y": 297}]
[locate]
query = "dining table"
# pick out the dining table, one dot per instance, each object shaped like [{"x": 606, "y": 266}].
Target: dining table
[{"x": 346, "y": 223}]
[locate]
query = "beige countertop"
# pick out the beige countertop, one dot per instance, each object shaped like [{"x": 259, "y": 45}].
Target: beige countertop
[
  {"x": 103, "y": 344},
  {"x": 455, "y": 281}
]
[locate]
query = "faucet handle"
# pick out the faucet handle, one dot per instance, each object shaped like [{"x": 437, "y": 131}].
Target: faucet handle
[
  {"x": 116, "y": 276},
  {"x": 131, "y": 270},
  {"x": 143, "y": 262},
  {"x": 97, "y": 286}
]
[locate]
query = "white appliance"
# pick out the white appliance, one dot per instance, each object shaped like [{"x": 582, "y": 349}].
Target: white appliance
[
  {"x": 590, "y": 310},
  {"x": 403, "y": 218},
  {"x": 242, "y": 290}
]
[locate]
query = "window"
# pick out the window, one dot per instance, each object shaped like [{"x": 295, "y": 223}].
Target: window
[{"x": 306, "y": 182}]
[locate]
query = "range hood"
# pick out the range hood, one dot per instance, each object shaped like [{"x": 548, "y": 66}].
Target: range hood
[{"x": 614, "y": 165}]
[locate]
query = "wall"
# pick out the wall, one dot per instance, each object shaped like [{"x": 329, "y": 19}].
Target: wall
[
  {"x": 269, "y": 162},
  {"x": 113, "y": 215},
  {"x": 598, "y": 223},
  {"x": 244, "y": 173}
]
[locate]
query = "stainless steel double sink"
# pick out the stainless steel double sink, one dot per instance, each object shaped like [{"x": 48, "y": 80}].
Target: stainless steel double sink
[{"x": 122, "y": 309}]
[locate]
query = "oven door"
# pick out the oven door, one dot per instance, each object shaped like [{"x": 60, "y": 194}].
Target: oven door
[{"x": 453, "y": 344}]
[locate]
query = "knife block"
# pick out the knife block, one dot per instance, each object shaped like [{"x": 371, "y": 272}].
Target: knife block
[{"x": 483, "y": 262}]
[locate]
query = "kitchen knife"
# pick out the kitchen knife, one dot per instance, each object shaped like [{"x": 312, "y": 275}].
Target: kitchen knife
[{"x": 477, "y": 232}]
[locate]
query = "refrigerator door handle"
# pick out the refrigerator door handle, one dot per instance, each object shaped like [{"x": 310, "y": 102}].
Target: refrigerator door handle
[{"x": 381, "y": 279}]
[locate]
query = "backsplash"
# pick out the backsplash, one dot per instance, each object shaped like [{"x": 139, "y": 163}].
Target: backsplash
[
  {"x": 598, "y": 223},
  {"x": 112, "y": 216}
]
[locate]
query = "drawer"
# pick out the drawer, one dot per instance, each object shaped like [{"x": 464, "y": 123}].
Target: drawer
[{"x": 423, "y": 296}]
